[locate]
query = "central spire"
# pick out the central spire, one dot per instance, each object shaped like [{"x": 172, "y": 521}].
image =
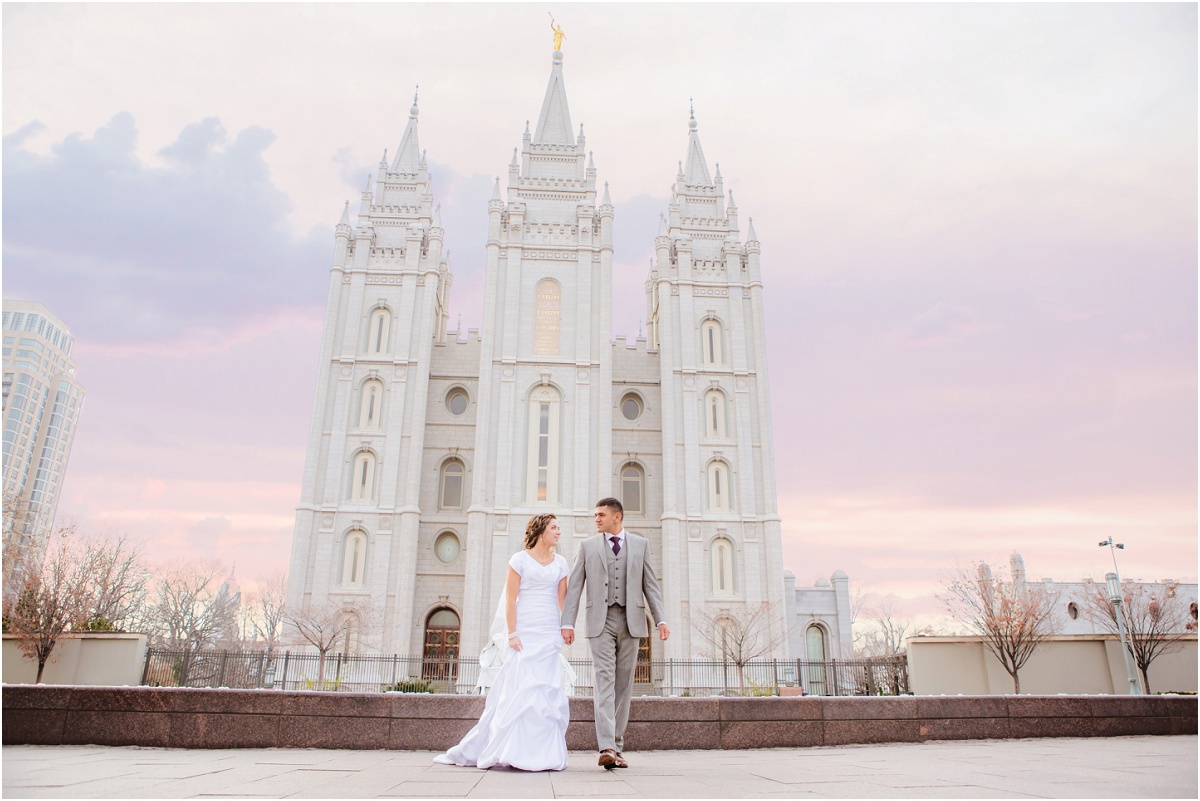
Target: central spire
[{"x": 554, "y": 124}]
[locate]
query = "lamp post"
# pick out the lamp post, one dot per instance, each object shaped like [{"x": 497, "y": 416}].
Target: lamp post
[{"x": 1113, "y": 582}]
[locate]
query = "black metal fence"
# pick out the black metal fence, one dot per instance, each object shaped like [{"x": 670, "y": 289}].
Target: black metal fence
[{"x": 289, "y": 670}]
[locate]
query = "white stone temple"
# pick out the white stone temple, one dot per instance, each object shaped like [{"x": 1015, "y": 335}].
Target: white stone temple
[{"x": 429, "y": 451}]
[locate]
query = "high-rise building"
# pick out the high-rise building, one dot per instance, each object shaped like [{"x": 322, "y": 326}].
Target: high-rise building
[
  {"x": 429, "y": 450},
  {"x": 42, "y": 401}
]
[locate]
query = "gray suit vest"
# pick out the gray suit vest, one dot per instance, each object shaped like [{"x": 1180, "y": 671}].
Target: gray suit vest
[{"x": 616, "y": 571}]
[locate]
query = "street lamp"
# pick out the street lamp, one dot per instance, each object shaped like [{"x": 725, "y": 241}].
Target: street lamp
[{"x": 1113, "y": 582}]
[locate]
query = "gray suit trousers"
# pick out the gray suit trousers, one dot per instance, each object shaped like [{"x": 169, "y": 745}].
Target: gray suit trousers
[{"x": 614, "y": 658}]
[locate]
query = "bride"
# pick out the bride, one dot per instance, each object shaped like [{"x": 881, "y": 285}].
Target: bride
[{"x": 524, "y": 722}]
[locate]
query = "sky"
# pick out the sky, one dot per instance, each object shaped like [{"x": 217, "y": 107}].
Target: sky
[{"x": 978, "y": 227}]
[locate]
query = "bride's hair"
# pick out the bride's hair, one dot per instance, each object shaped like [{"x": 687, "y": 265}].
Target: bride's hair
[{"x": 534, "y": 528}]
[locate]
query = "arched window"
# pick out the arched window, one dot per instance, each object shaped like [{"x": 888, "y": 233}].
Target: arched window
[
  {"x": 362, "y": 478},
  {"x": 546, "y": 318},
  {"x": 1072, "y": 610},
  {"x": 451, "y": 495},
  {"x": 722, "y": 567},
  {"x": 370, "y": 407},
  {"x": 814, "y": 645},
  {"x": 714, "y": 414},
  {"x": 633, "y": 483},
  {"x": 542, "y": 454},
  {"x": 712, "y": 343},
  {"x": 354, "y": 559},
  {"x": 440, "y": 661},
  {"x": 378, "y": 331},
  {"x": 718, "y": 487}
]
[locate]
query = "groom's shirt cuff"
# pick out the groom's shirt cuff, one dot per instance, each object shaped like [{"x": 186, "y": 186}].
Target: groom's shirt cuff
[{"x": 570, "y": 626}]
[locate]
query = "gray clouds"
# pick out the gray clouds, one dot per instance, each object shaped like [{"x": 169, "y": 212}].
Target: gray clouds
[{"x": 127, "y": 251}]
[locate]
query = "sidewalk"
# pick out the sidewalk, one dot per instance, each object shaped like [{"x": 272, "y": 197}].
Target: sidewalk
[{"x": 1099, "y": 767}]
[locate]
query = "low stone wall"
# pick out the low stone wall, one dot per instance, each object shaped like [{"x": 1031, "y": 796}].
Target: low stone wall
[{"x": 187, "y": 718}]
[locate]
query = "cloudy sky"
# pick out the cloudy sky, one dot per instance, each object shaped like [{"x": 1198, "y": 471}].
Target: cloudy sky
[{"x": 979, "y": 228}]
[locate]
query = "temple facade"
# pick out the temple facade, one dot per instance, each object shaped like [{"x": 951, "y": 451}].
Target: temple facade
[{"x": 429, "y": 450}]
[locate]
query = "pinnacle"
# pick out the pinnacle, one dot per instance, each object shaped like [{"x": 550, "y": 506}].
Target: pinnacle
[
  {"x": 697, "y": 168},
  {"x": 554, "y": 123}
]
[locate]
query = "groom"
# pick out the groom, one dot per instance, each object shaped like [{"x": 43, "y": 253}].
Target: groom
[{"x": 615, "y": 566}]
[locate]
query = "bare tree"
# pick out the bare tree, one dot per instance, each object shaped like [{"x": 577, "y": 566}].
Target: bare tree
[
  {"x": 1156, "y": 619},
  {"x": 263, "y": 613},
  {"x": 115, "y": 579},
  {"x": 739, "y": 634},
  {"x": 326, "y": 625},
  {"x": 47, "y": 603},
  {"x": 1012, "y": 616},
  {"x": 885, "y": 632},
  {"x": 188, "y": 610}
]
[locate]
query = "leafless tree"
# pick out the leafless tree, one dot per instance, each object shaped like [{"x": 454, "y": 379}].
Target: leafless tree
[
  {"x": 263, "y": 612},
  {"x": 1156, "y": 619},
  {"x": 188, "y": 610},
  {"x": 739, "y": 634},
  {"x": 883, "y": 631},
  {"x": 115, "y": 579},
  {"x": 1012, "y": 616},
  {"x": 327, "y": 625},
  {"x": 47, "y": 603}
]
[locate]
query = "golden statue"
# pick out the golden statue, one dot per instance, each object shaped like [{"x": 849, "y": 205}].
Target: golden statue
[{"x": 558, "y": 33}]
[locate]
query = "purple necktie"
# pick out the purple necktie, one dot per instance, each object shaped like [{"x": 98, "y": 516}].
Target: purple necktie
[{"x": 616, "y": 543}]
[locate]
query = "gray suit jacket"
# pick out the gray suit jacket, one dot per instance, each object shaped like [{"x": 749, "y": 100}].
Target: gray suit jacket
[{"x": 591, "y": 571}]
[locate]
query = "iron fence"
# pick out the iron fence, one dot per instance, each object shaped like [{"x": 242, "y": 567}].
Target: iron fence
[{"x": 290, "y": 670}]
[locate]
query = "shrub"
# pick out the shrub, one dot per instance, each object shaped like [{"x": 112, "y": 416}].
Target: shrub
[{"x": 410, "y": 686}]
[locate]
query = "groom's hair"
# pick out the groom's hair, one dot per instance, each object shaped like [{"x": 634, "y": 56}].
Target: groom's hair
[{"x": 612, "y": 503}]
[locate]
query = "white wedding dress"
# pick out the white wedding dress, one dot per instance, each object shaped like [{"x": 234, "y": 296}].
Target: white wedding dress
[{"x": 524, "y": 722}]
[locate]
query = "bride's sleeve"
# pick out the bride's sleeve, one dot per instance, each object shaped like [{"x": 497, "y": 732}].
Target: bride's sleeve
[{"x": 517, "y": 563}]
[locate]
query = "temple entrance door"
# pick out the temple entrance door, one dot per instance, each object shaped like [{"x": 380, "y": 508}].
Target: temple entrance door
[{"x": 440, "y": 659}]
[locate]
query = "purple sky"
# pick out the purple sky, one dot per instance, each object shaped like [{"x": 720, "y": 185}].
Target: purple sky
[{"x": 979, "y": 228}]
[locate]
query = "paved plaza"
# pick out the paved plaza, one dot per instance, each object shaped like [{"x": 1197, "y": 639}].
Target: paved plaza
[{"x": 1101, "y": 767}]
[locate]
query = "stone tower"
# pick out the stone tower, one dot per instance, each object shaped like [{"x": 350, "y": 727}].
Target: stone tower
[
  {"x": 543, "y": 425},
  {"x": 357, "y": 522},
  {"x": 721, "y": 535}
]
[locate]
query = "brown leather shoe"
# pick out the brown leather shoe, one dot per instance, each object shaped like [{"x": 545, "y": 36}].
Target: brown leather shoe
[
  {"x": 608, "y": 759},
  {"x": 621, "y": 763}
]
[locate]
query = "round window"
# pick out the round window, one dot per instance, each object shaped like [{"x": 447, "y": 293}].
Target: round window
[
  {"x": 456, "y": 401},
  {"x": 1072, "y": 610},
  {"x": 631, "y": 407},
  {"x": 446, "y": 547}
]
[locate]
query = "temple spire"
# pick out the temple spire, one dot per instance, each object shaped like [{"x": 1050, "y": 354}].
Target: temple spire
[
  {"x": 554, "y": 123},
  {"x": 751, "y": 236},
  {"x": 345, "y": 214},
  {"x": 408, "y": 155},
  {"x": 696, "y": 173}
]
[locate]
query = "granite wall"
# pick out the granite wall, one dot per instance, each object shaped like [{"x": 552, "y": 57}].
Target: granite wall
[{"x": 203, "y": 718}]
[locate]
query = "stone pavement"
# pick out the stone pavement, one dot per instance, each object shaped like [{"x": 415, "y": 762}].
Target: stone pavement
[{"x": 1095, "y": 767}]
